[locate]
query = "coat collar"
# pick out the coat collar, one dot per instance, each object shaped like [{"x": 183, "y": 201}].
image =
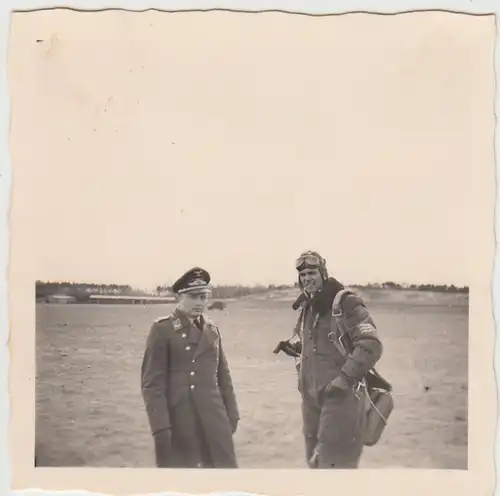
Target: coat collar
[
  {"x": 322, "y": 301},
  {"x": 180, "y": 320},
  {"x": 208, "y": 337},
  {"x": 204, "y": 341}
]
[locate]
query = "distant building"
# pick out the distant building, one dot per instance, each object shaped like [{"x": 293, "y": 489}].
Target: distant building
[
  {"x": 129, "y": 300},
  {"x": 60, "y": 298}
]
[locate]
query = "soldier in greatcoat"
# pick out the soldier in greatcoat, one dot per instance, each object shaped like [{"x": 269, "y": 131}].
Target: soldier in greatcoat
[
  {"x": 186, "y": 383},
  {"x": 333, "y": 404}
]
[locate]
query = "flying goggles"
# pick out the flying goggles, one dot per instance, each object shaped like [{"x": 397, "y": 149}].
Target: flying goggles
[{"x": 308, "y": 259}]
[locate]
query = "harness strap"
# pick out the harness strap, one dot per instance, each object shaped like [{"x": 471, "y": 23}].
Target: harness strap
[
  {"x": 337, "y": 328},
  {"x": 336, "y": 325}
]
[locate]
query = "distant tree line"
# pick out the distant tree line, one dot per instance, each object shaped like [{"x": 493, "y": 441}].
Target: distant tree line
[
  {"x": 234, "y": 291},
  {"x": 440, "y": 288},
  {"x": 82, "y": 291}
]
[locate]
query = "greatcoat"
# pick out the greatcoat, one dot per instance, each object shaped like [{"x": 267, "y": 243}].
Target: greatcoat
[{"x": 187, "y": 386}]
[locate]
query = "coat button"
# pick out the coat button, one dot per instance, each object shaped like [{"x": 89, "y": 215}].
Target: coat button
[
  {"x": 184, "y": 335},
  {"x": 191, "y": 373},
  {"x": 192, "y": 386},
  {"x": 188, "y": 348},
  {"x": 192, "y": 361}
]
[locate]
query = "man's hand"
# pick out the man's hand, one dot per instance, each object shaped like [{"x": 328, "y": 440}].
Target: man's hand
[
  {"x": 339, "y": 386},
  {"x": 234, "y": 425},
  {"x": 288, "y": 348},
  {"x": 162, "y": 440}
]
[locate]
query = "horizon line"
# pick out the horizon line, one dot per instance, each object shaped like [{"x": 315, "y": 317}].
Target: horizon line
[{"x": 255, "y": 285}]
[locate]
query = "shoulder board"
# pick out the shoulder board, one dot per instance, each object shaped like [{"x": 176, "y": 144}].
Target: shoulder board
[
  {"x": 212, "y": 326},
  {"x": 163, "y": 319},
  {"x": 210, "y": 322}
]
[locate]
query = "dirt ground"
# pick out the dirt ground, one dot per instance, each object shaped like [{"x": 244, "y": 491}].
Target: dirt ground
[{"x": 89, "y": 410}]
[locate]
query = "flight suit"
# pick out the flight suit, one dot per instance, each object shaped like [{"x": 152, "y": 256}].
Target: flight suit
[
  {"x": 187, "y": 386},
  {"x": 333, "y": 423}
]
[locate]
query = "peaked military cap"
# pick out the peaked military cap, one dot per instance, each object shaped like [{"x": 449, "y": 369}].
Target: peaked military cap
[{"x": 194, "y": 280}]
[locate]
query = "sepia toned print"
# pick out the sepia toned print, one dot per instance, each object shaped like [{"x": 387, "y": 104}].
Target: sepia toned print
[{"x": 245, "y": 251}]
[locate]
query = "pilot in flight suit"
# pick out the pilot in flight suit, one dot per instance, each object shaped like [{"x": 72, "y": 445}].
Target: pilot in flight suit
[{"x": 333, "y": 407}]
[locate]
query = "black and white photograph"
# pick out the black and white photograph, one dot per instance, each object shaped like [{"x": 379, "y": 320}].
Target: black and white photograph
[{"x": 253, "y": 241}]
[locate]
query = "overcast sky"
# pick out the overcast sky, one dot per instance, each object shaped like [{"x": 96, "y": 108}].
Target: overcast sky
[{"x": 149, "y": 143}]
